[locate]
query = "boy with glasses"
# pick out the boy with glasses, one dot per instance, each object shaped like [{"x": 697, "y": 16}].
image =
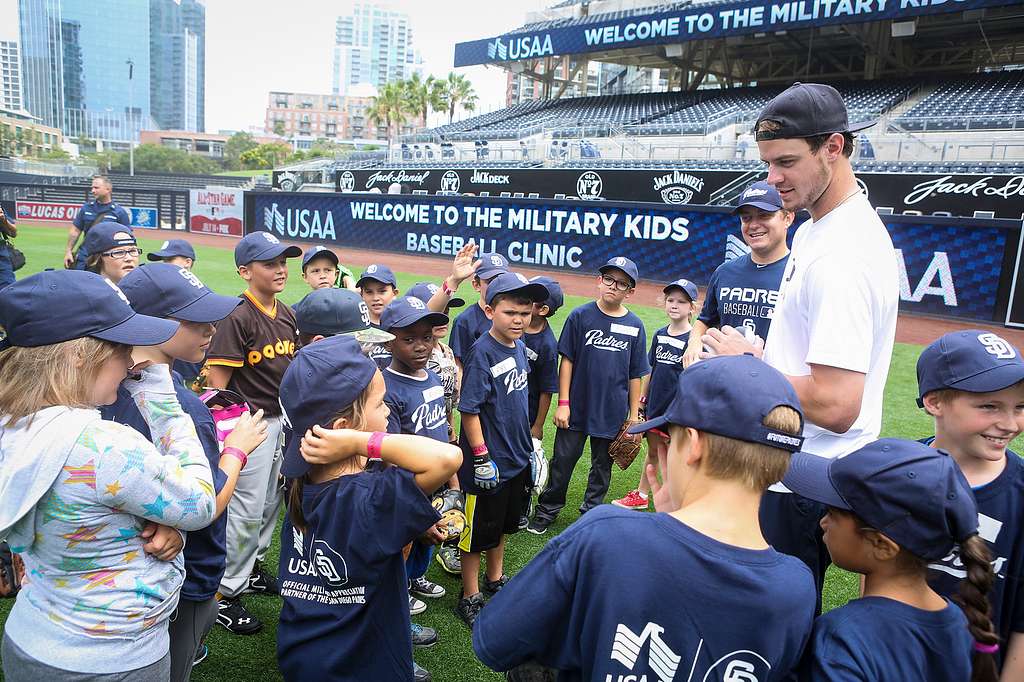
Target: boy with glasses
[{"x": 603, "y": 347}]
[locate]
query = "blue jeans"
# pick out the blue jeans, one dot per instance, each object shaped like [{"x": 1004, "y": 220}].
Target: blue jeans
[{"x": 6, "y": 271}]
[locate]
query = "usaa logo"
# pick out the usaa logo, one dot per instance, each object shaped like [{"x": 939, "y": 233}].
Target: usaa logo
[{"x": 523, "y": 47}]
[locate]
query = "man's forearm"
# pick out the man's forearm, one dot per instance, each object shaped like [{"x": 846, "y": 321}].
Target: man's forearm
[{"x": 73, "y": 235}]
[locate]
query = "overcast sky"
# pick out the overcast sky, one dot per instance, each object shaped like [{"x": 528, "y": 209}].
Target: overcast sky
[{"x": 255, "y": 47}]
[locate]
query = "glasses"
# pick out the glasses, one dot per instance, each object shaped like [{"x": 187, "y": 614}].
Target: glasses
[
  {"x": 618, "y": 284},
  {"x": 124, "y": 253}
]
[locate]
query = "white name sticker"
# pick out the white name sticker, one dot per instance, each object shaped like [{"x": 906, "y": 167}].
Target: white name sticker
[
  {"x": 623, "y": 329},
  {"x": 669, "y": 341},
  {"x": 505, "y": 365},
  {"x": 530, "y": 355},
  {"x": 433, "y": 393}
]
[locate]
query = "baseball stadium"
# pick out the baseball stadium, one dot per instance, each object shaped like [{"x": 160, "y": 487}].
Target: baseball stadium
[{"x": 653, "y": 172}]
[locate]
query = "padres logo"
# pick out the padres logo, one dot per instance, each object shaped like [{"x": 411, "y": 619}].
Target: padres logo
[
  {"x": 271, "y": 351},
  {"x": 995, "y": 345}
]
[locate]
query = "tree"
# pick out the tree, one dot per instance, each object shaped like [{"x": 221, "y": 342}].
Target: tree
[
  {"x": 458, "y": 91},
  {"x": 423, "y": 95},
  {"x": 389, "y": 107},
  {"x": 279, "y": 128},
  {"x": 237, "y": 144},
  {"x": 265, "y": 156}
]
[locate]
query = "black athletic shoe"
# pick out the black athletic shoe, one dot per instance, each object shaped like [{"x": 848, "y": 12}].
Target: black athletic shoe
[
  {"x": 235, "y": 618},
  {"x": 468, "y": 608},
  {"x": 524, "y": 522},
  {"x": 538, "y": 526},
  {"x": 262, "y": 582},
  {"x": 493, "y": 587},
  {"x": 420, "y": 674},
  {"x": 449, "y": 558},
  {"x": 423, "y": 637}
]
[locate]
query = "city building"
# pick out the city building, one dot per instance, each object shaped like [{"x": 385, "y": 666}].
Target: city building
[
  {"x": 106, "y": 70},
  {"x": 22, "y": 134},
  {"x": 10, "y": 75},
  {"x": 305, "y": 118},
  {"x": 374, "y": 46},
  {"x": 209, "y": 145}
]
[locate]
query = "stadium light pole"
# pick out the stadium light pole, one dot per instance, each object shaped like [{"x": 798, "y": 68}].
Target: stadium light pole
[{"x": 131, "y": 117}]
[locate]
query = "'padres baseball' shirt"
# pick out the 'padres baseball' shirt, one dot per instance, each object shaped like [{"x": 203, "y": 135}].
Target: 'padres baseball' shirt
[
  {"x": 606, "y": 352},
  {"x": 205, "y": 550},
  {"x": 259, "y": 345},
  {"x": 875, "y": 638},
  {"x": 742, "y": 293},
  {"x": 666, "y": 359},
  {"x": 494, "y": 387},
  {"x": 1000, "y": 522},
  {"x": 469, "y": 326},
  {"x": 692, "y": 609},
  {"x": 416, "y": 405},
  {"x": 542, "y": 353},
  {"x": 837, "y": 307},
  {"x": 345, "y": 610}
]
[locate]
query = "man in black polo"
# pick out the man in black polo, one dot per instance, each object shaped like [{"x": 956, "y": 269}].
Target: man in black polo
[{"x": 101, "y": 207}]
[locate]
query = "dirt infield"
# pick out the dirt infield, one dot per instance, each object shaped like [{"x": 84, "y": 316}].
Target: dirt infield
[{"x": 917, "y": 329}]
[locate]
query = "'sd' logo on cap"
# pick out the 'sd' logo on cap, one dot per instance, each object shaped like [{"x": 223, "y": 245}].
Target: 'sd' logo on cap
[
  {"x": 189, "y": 277},
  {"x": 433, "y": 288},
  {"x": 117, "y": 290},
  {"x": 620, "y": 261},
  {"x": 166, "y": 244},
  {"x": 522, "y": 279},
  {"x": 496, "y": 261},
  {"x": 270, "y": 238},
  {"x": 997, "y": 346},
  {"x": 364, "y": 313},
  {"x": 371, "y": 269},
  {"x": 415, "y": 303}
]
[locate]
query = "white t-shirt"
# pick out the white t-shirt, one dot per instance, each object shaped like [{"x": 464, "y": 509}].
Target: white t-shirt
[{"x": 837, "y": 307}]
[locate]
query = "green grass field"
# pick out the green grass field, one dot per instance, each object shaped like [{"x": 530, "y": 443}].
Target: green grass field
[{"x": 254, "y": 657}]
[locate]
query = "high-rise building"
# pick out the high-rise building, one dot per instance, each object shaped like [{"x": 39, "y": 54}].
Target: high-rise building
[
  {"x": 10, "y": 75},
  {"x": 306, "y": 117},
  {"x": 374, "y": 46},
  {"x": 106, "y": 70}
]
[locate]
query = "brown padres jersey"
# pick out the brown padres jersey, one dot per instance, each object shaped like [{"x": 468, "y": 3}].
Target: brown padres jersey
[{"x": 259, "y": 345}]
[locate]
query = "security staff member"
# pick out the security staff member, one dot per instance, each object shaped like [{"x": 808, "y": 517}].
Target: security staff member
[{"x": 100, "y": 207}]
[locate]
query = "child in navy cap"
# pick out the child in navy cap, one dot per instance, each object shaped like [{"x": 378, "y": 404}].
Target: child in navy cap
[
  {"x": 321, "y": 268},
  {"x": 113, "y": 251},
  {"x": 330, "y": 311},
  {"x": 472, "y": 323},
  {"x": 695, "y": 593},
  {"x": 249, "y": 354},
  {"x": 495, "y": 437},
  {"x": 172, "y": 292},
  {"x": 81, "y": 497},
  {"x": 603, "y": 361},
  {"x": 176, "y": 252},
  {"x": 668, "y": 346},
  {"x": 893, "y": 506},
  {"x": 972, "y": 384},
  {"x": 357, "y": 497}
]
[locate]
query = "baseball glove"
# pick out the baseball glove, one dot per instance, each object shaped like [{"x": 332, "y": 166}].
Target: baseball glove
[
  {"x": 451, "y": 505},
  {"x": 624, "y": 449}
]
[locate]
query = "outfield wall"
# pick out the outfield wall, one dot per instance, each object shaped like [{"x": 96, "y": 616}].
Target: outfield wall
[{"x": 954, "y": 267}]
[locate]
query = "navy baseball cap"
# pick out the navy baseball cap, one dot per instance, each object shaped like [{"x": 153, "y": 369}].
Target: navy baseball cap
[
  {"x": 262, "y": 246},
  {"x": 165, "y": 290},
  {"x": 318, "y": 250},
  {"x": 378, "y": 273},
  {"x": 330, "y": 312},
  {"x": 323, "y": 379},
  {"x": 426, "y": 290},
  {"x": 969, "y": 360},
  {"x": 34, "y": 312},
  {"x": 491, "y": 265},
  {"x": 509, "y": 282},
  {"x": 760, "y": 195},
  {"x": 100, "y": 237},
  {"x": 173, "y": 248},
  {"x": 684, "y": 285},
  {"x": 912, "y": 493},
  {"x": 406, "y": 311},
  {"x": 624, "y": 264},
  {"x": 555, "y": 297},
  {"x": 730, "y": 395},
  {"x": 804, "y": 110}
]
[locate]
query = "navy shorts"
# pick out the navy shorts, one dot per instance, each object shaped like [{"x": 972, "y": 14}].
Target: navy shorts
[{"x": 493, "y": 515}]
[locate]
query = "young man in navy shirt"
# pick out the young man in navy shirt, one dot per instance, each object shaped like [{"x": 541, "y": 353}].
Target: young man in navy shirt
[
  {"x": 100, "y": 207},
  {"x": 495, "y": 437},
  {"x": 705, "y": 596},
  {"x": 604, "y": 359},
  {"x": 472, "y": 323},
  {"x": 972, "y": 384},
  {"x": 742, "y": 292}
]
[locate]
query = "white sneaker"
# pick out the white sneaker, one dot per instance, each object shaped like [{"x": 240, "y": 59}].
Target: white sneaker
[
  {"x": 423, "y": 588},
  {"x": 416, "y": 606}
]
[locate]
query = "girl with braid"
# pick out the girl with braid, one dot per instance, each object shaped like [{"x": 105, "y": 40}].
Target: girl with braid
[{"x": 894, "y": 506}]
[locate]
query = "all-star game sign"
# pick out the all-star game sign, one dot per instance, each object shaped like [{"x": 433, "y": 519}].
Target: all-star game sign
[{"x": 216, "y": 210}]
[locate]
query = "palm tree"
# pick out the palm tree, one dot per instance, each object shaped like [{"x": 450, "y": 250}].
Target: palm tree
[
  {"x": 423, "y": 95},
  {"x": 388, "y": 107},
  {"x": 458, "y": 91}
]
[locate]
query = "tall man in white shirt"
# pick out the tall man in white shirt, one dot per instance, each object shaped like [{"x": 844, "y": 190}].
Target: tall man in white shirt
[{"x": 834, "y": 325}]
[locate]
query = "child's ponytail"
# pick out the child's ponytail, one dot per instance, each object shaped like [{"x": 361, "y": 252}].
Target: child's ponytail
[{"x": 973, "y": 599}]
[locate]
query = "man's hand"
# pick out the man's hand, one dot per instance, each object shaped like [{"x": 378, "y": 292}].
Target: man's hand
[
  {"x": 730, "y": 341},
  {"x": 691, "y": 355},
  {"x": 164, "y": 542},
  {"x": 69, "y": 260}
]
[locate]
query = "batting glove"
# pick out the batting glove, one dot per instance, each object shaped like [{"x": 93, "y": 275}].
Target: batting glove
[
  {"x": 538, "y": 467},
  {"x": 485, "y": 474}
]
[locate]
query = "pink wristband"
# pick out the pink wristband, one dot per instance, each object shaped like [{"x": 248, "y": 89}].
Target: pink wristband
[
  {"x": 235, "y": 452},
  {"x": 563, "y": 403},
  {"x": 445, "y": 288},
  {"x": 480, "y": 450},
  {"x": 373, "y": 445},
  {"x": 986, "y": 648}
]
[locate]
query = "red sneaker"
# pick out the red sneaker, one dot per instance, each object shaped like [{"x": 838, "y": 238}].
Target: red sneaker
[{"x": 632, "y": 500}]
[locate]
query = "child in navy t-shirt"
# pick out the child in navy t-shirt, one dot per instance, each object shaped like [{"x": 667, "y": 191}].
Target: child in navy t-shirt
[
  {"x": 600, "y": 379},
  {"x": 972, "y": 383},
  {"x": 472, "y": 323},
  {"x": 704, "y": 596},
  {"x": 668, "y": 346},
  {"x": 893, "y": 506},
  {"x": 358, "y": 496}
]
